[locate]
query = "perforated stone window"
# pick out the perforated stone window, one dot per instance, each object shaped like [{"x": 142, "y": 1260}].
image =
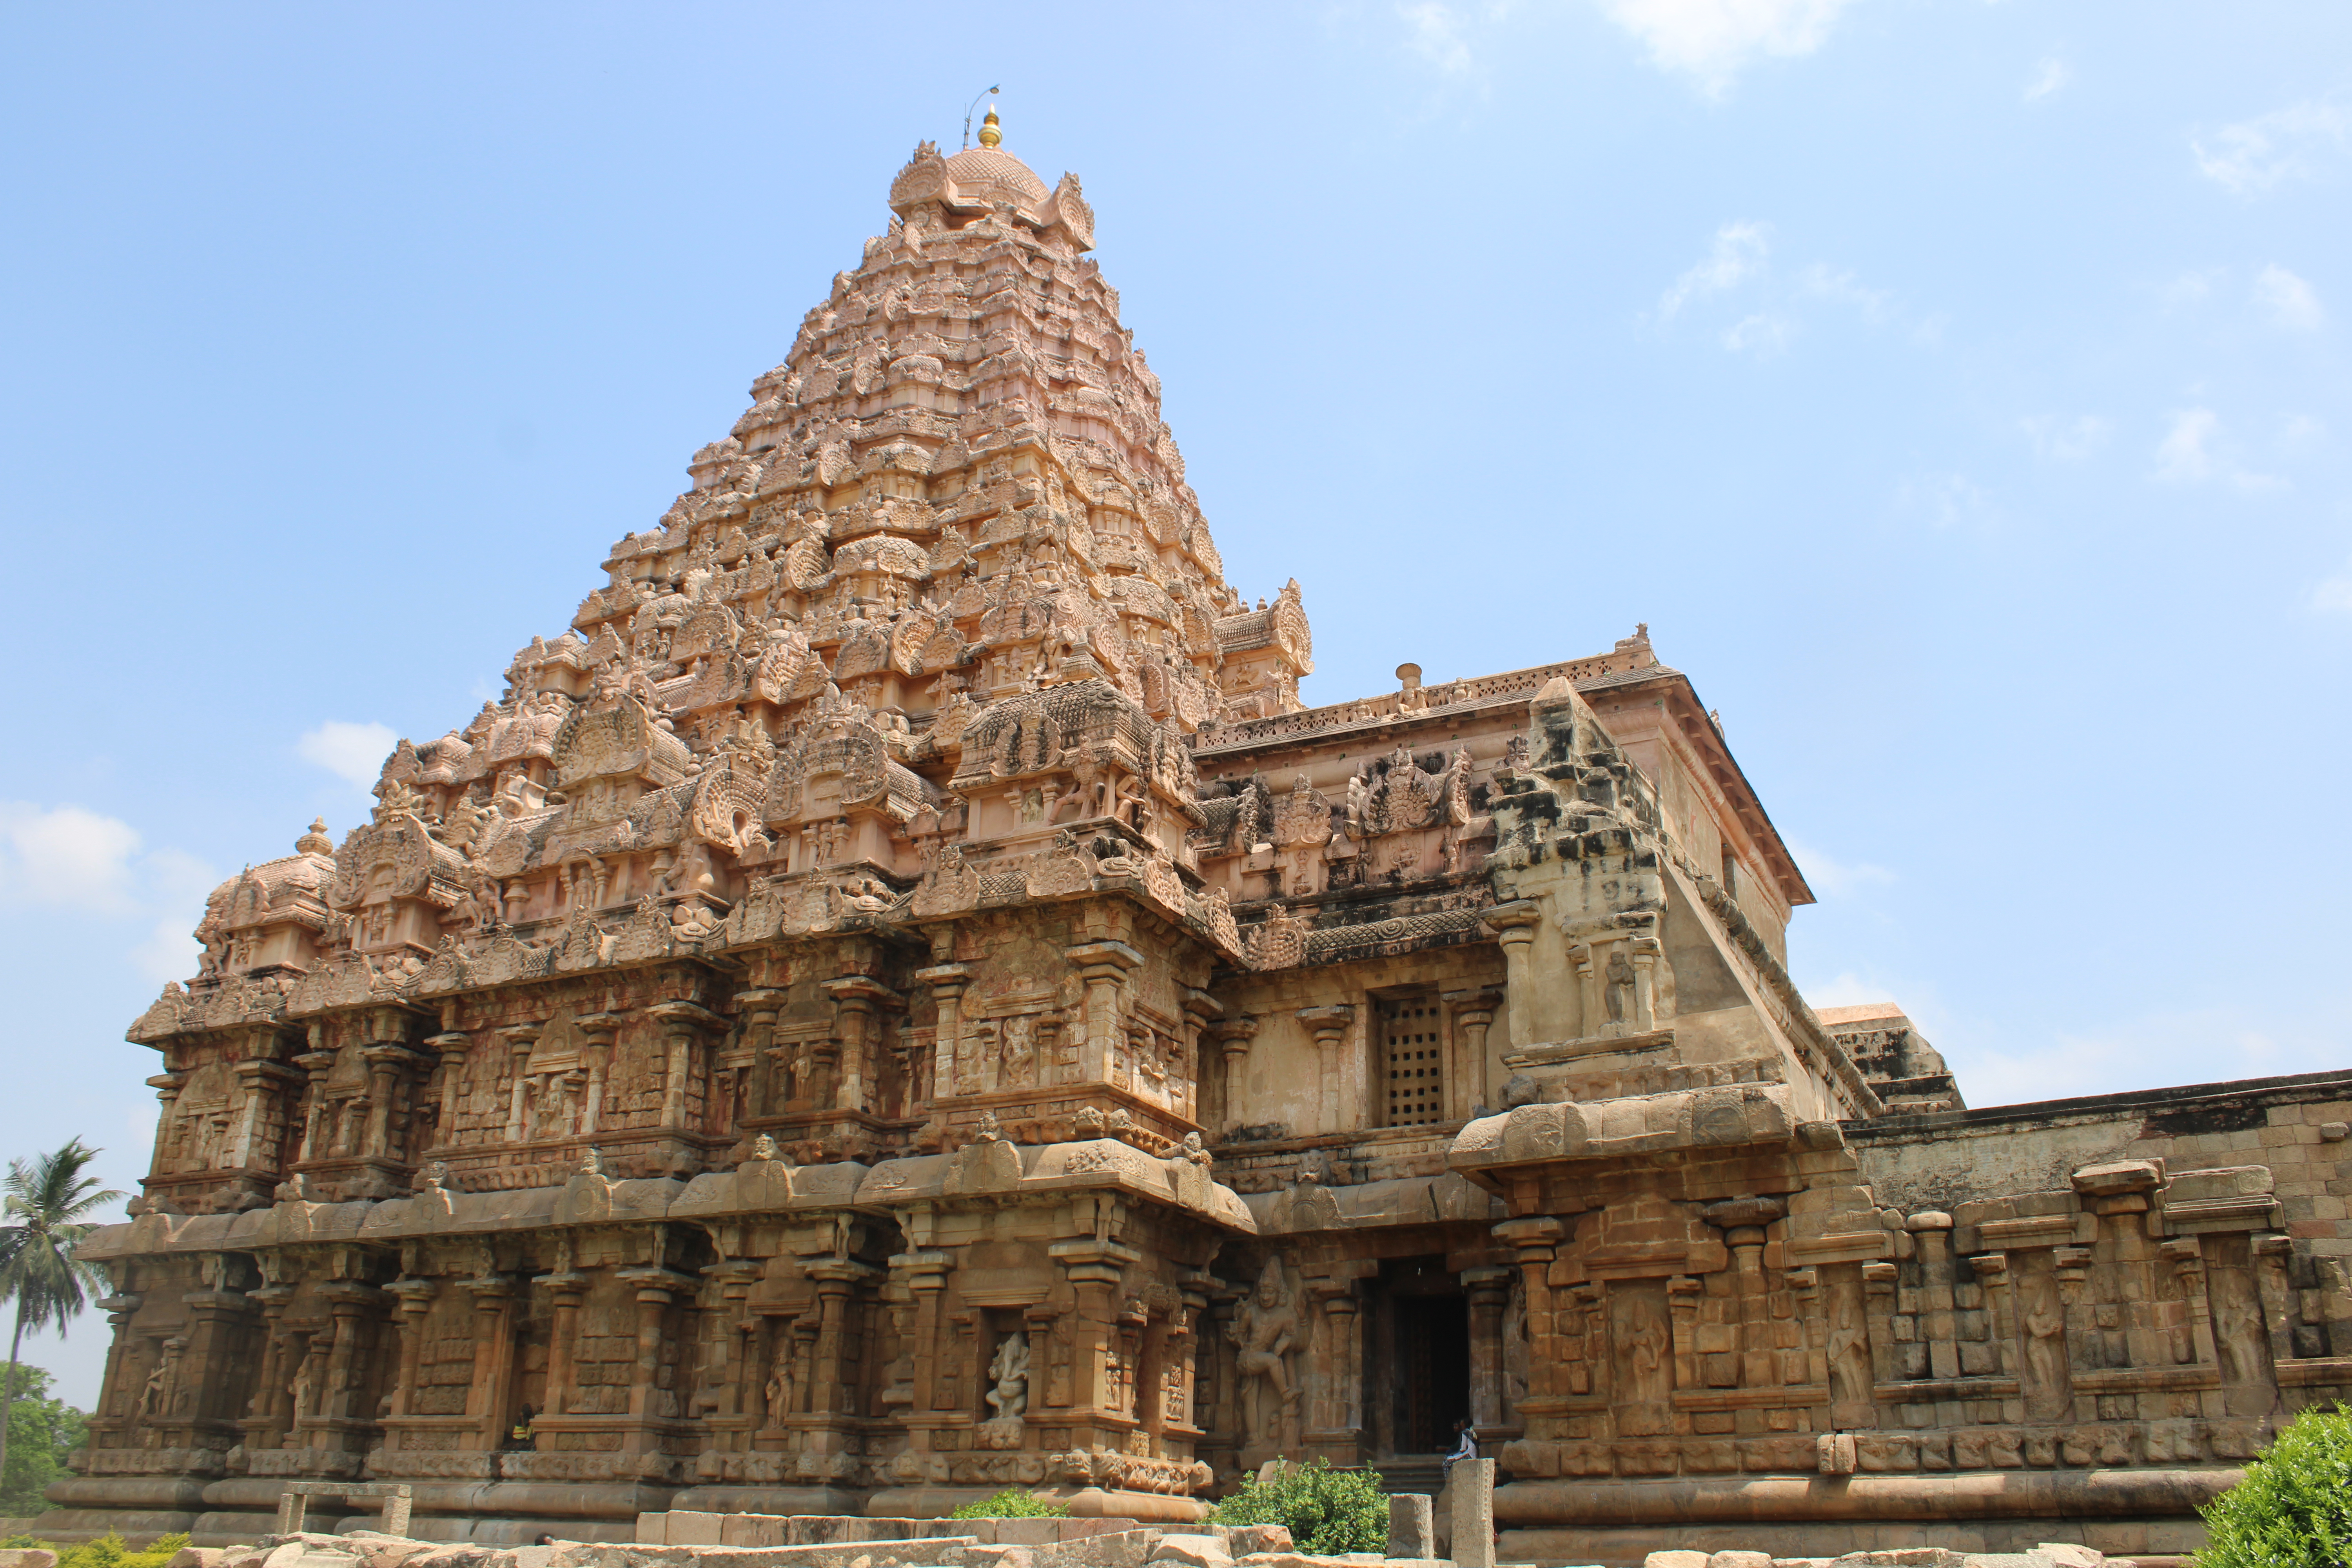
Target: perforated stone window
[{"x": 1413, "y": 1055}]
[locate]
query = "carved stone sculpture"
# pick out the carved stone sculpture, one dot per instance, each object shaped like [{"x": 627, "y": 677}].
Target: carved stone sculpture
[
  {"x": 916, "y": 795},
  {"x": 1267, "y": 1329}
]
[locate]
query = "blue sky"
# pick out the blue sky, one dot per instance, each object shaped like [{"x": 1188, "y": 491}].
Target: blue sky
[{"x": 1960, "y": 391}]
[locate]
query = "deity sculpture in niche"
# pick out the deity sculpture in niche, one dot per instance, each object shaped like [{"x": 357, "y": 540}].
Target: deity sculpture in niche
[
  {"x": 2240, "y": 1336},
  {"x": 1617, "y": 995},
  {"x": 2049, "y": 1388},
  {"x": 1849, "y": 1347},
  {"x": 1267, "y": 1330},
  {"x": 1007, "y": 1394},
  {"x": 1008, "y": 1373},
  {"x": 1642, "y": 1341},
  {"x": 1019, "y": 1068},
  {"x": 780, "y": 1386}
]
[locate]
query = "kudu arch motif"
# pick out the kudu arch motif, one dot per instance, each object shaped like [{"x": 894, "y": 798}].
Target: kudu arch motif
[{"x": 890, "y": 1005}]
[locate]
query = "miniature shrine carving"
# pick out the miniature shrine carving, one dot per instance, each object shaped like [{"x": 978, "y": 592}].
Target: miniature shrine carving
[{"x": 902, "y": 997}]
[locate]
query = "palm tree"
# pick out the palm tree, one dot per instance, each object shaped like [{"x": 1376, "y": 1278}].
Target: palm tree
[{"x": 47, "y": 1208}]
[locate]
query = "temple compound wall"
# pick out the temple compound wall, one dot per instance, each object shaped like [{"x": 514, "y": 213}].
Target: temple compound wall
[{"x": 900, "y": 999}]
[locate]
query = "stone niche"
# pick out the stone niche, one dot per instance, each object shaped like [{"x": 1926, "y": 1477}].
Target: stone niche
[{"x": 900, "y": 998}]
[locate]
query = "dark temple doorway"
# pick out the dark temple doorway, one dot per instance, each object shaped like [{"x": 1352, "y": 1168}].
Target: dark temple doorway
[{"x": 1427, "y": 1344}]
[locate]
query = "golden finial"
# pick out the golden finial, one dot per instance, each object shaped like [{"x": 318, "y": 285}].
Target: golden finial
[{"x": 991, "y": 133}]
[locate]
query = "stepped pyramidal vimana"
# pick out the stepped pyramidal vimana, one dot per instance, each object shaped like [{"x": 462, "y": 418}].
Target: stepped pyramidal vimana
[{"x": 900, "y": 999}]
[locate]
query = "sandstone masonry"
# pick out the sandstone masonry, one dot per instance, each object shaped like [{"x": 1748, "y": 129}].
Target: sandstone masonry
[{"x": 900, "y": 999}]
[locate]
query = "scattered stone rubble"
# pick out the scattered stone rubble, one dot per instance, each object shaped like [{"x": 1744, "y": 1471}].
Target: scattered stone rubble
[
  {"x": 901, "y": 999},
  {"x": 832, "y": 1544},
  {"x": 2048, "y": 1554}
]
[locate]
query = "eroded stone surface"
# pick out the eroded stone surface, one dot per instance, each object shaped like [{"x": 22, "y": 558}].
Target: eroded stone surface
[{"x": 900, "y": 999}]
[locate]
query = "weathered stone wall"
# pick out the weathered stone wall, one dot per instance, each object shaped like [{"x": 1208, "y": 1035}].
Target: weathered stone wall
[{"x": 901, "y": 999}]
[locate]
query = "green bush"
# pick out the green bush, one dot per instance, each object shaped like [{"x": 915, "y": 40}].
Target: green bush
[
  {"x": 1327, "y": 1511},
  {"x": 109, "y": 1550},
  {"x": 2293, "y": 1509},
  {"x": 1011, "y": 1503}
]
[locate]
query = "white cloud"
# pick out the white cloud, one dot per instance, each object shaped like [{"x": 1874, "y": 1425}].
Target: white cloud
[
  {"x": 176, "y": 883},
  {"x": 2181, "y": 457},
  {"x": 353, "y": 751},
  {"x": 2066, "y": 440},
  {"x": 66, "y": 857},
  {"x": 1844, "y": 287},
  {"x": 2199, "y": 1046},
  {"x": 1837, "y": 878},
  {"x": 2258, "y": 154},
  {"x": 70, "y": 858},
  {"x": 2333, "y": 595},
  {"x": 2190, "y": 289},
  {"x": 1434, "y": 31},
  {"x": 1946, "y": 499},
  {"x": 2049, "y": 76},
  {"x": 1712, "y": 41},
  {"x": 2288, "y": 298},
  {"x": 2194, "y": 450},
  {"x": 1738, "y": 254},
  {"x": 1847, "y": 990},
  {"x": 1762, "y": 335}
]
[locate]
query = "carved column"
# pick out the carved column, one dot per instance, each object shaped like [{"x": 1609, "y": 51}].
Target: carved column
[
  {"x": 1991, "y": 1271},
  {"x": 1095, "y": 1268},
  {"x": 948, "y": 982},
  {"x": 1039, "y": 1319},
  {"x": 1104, "y": 967},
  {"x": 415, "y": 1297},
  {"x": 760, "y": 1009},
  {"x": 351, "y": 1303},
  {"x": 167, "y": 1087},
  {"x": 967, "y": 1367},
  {"x": 218, "y": 1321},
  {"x": 857, "y": 1002},
  {"x": 1152, "y": 1365},
  {"x": 1878, "y": 1287},
  {"x": 1489, "y": 1290},
  {"x": 598, "y": 1032},
  {"x": 926, "y": 1274},
  {"x": 735, "y": 1278},
  {"x": 455, "y": 1045},
  {"x": 486, "y": 1400},
  {"x": 656, "y": 1287},
  {"x": 1514, "y": 924},
  {"x": 1235, "y": 1036},
  {"x": 1185, "y": 1360},
  {"x": 1330, "y": 1028},
  {"x": 1536, "y": 1238},
  {"x": 318, "y": 1064},
  {"x": 1200, "y": 1014},
  {"x": 685, "y": 1026},
  {"x": 386, "y": 1062},
  {"x": 2277, "y": 1295},
  {"x": 566, "y": 1289},
  {"x": 1346, "y": 1401},
  {"x": 519, "y": 1039},
  {"x": 1648, "y": 955},
  {"x": 1473, "y": 1011},
  {"x": 833, "y": 1380},
  {"x": 2193, "y": 1341},
  {"x": 1222, "y": 1415},
  {"x": 261, "y": 1081},
  {"x": 1584, "y": 962},
  {"x": 1683, "y": 1293},
  {"x": 263, "y": 1428}
]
